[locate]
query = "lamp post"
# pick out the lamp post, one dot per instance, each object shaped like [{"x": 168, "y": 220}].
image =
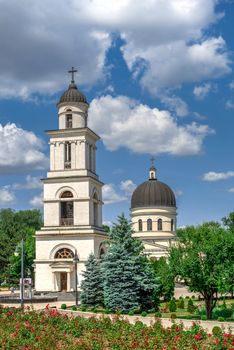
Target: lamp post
[
  {"x": 22, "y": 276},
  {"x": 75, "y": 260}
]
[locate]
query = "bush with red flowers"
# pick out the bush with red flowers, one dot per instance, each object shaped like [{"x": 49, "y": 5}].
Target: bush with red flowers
[{"x": 50, "y": 330}]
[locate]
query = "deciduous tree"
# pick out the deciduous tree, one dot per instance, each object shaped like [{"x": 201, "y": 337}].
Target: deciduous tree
[{"x": 202, "y": 259}]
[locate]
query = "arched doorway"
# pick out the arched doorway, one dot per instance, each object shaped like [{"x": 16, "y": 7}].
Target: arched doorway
[{"x": 63, "y": 267}]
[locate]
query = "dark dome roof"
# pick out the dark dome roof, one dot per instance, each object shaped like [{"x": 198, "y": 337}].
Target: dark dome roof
[
  {"x": 72, "y": 94},
  {"x": 153, "y": 193}
]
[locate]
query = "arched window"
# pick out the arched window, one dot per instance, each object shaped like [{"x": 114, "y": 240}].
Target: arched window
[
  {"x": 172, "y": 225},
  {"x": 159, "y": 224},
  {"x": 140, "y": 225},
  {"x": 95, "y": 209},
  {"x": 149, "y": 225},
  {"x": 68, "y": 120},
  {"x": 64, "y": 253},
  {"x": 66, "y": 209},
  {"x": 67, "y": 155},
  {"x": 66, "y": 194}
]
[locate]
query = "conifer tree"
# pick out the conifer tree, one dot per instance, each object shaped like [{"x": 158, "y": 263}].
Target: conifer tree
[
  {"x": 127, "y": 275},
  {"x": 91, "y": 285}
]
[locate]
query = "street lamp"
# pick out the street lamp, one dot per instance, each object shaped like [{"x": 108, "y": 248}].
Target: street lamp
[
  {"x": 76, "y": 260},
  {"x": 22, "y": 276}
]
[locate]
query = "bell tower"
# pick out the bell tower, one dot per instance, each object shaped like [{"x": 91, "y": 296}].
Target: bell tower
[{"x": 72, "y": 197}]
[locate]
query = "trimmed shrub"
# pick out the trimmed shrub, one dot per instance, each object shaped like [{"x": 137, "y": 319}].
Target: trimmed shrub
[
  {"x": 144, "y": 313},
  {"x": 181, "y": 303},
  {"x": 94, "y": 309},
  {"x": 63, "y": 306},
  {"x": 158, "y": 314},
  {"x": 217, "y": 330},
  {"x": 107, "y": 311},
  {"x": 74, "y": 308},
  {"x": 173, "y": 316},
  {"x": 203, "y": 318},
  {"x": 221, "y": 319},
  {"x": 172, "y": 305},
  {"x": 190, "y": 307},
  {"x": 131, "y": 313}
]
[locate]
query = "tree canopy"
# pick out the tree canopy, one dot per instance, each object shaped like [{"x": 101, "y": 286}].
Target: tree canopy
[
  {"x": 228, "y": 221},
  {"x": 203, "y": 259},
  {"x": 15, "y": 225},
  {"x": 92, "y": 284},
  {"x": 127, "y": 275}
]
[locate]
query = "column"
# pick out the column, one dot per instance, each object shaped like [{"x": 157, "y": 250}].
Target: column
[
  {"x": 69, "y": 281},
  {"x": 52, "y": 155},
  {"x": 94, "y": 159},
  {"x": 73, "y": 155}
]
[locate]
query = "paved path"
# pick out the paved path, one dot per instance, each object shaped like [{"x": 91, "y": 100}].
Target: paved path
[{"x": 166, "y": 322}]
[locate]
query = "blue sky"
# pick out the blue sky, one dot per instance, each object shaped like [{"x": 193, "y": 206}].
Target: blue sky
[{"x": 159, "y": 79}]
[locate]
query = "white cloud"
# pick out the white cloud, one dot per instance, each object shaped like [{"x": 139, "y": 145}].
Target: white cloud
[
  {"x": 110, "y": 196},
  {"x": 178, "y": 62},
  {"x": 201, "y": 91},
  {"x": 170, "y": 45},
  {"x": 128, "y": 186},
  {"x": 229, "y": 104},
  {"x": 231, "y": 85},
  {"x": 175, "y": 104},
  {"x": 231, "y": 190},
  {"x": 32, "y": 182},
  {"x": 123, "y": 122},
  {"x": 178, "y": 193},
  {"x": 214, "y": 176},
  {"x": 37, "y": 201},
  {"x": 6, "y": 196},
  {"x": 20, "y": 150}
]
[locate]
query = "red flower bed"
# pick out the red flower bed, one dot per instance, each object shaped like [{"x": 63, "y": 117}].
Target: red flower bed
[{"x": 49, "y": 329}]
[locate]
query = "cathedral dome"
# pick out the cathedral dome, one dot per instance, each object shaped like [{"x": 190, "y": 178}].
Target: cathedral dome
[
  {"x": 153, "y": 193},
  {"x": 72, "y": 94}
]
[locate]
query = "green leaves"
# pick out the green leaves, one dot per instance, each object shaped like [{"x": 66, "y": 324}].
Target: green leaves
[
  {"x": 203, "y": 258},
  {"x": 127, "y": 275},
  {"x": 13, "y": 227},
  {"x": 92, "y": 284}
]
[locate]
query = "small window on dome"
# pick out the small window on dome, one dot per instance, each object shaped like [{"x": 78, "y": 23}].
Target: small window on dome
[
  {"x": 149, "y": 225},
  {"x": 140, "y": 225},
  {"x": 159, "y": 224}
]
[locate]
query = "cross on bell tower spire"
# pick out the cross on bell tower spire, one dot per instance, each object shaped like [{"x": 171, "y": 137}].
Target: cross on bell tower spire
[
  {"x": 72, "y": 71},
  {"x": 152, "y": 171}
]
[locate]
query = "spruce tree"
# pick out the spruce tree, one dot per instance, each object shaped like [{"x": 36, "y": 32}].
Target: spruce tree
[
  {"x": 92, "y": 285},
  {"x": 127, "y": 276}
]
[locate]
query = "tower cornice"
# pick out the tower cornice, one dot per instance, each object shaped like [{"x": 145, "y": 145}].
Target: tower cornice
[{"x": 72, "y": 132}]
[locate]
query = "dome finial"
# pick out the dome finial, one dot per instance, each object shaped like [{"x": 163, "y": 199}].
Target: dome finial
[
  {"x": 72, "y": 71},
  {"x": 152, "y": 171}
]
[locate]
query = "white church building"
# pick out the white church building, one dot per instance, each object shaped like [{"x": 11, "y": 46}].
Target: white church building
[{"x": 73, "y": 202}]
